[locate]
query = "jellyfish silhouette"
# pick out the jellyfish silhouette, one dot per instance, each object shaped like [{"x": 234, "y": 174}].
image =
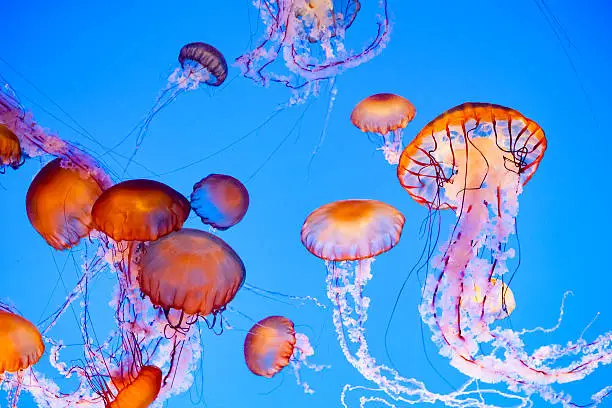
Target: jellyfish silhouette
[
  {"x": 10, "y": 148},
  {"x": 192, "y": 271},
  {"x": 140, "y": 210},
  {"x": 59, "y": 203},
  {"x": 311, "y": 36},
  {"x": 21, "y": 344},
  {"x": 385, "y": 115},
  {"x": 476, "y": 158},
  {"x": 220, "y": 200},
  {"x": 269, "y": 345}
]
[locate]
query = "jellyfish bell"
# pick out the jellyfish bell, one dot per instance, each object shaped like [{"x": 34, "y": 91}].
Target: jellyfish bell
[
  {"x": 220, "y": 200},
  {"x": 21, "y": 344},
  {"x": 141, "y": 392},
  {"x": 10, "y": 148},
  {"x": 140, "y": 210},
  {"x": 192, "y": 271},
  {"x": 59, "y": 203},
  {"x": 466, "y": 147},
  {"x": 269, "y": 346},
  {"x": 387, "y": 115},
  {"x": 496, "y": 299},
  {"x": 203, "y": 61},
  {"x": 349, "y": 230}
]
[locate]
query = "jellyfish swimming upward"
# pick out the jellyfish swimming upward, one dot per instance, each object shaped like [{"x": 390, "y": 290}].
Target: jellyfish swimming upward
[
  {"x": 305, "y": 42},
  {"x": 475, "y": 159},
  {"x": 384, "y": 115}
]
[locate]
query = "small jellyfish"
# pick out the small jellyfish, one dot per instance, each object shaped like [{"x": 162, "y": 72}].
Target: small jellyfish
[
  {"x": 385, "y": 115},
  {"x": 142, "y": 391},
  {"x": 269, "y": 345},
  {"x": 21, "y": 344},
  {"x": 10, "y": 148},
  {"x": 140, "y": 210},
  {"x": 203, "y": 63},
  {"x": 220, "y": 200},
  {"x": 59, "y": 203},
  {"x": 192, "y": 271}
]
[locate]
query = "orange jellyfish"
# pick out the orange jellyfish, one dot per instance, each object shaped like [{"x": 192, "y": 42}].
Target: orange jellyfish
[
  {"x": 140, "y": 210},
  {"x": 348, "y": 234},
  {"x": 386, "y": 115},
  {"x": 59, "y": 203},
  {"x": 192, "y": 271},
  {"x": 21, "y": 344},
  {"x": 10, "y": 149},
  {"x": 350, "y": 230},
  {"x": 269, "y": 346},
  {"x": 142, "y": 391},
  {"x": 220, "y": 200}
]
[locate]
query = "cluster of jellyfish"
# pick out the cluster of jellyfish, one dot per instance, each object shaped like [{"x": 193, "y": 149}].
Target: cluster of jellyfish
[
  {"x": 473, "y": 159},
  {"x": 168, "y": 278}
]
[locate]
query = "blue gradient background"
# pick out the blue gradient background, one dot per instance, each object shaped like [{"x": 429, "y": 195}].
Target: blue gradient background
[{"x": 105, "y": 62}]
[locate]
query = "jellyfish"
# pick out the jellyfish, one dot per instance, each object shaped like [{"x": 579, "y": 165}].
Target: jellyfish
[
  {"x": 200, "y": 63},
  {"x": 220, "y": 200},
  {"x": 59, "y": 203},
  {"x": 192, "y": 271},
  {"x": 21, "y": 344},
  {"x": 385, "y": 115},
  {"x": 498, "y": 302},
  {"x": 475, "y": 159},
  {"x": 311, "y": 37},
  {"x": 272, "y": 344},
  {"x": 140, "y": 210},
  {"x": 142, "y": 391},
  {"x": 10, "y": 149}
]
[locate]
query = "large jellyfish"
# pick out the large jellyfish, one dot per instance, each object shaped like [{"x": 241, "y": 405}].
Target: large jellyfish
[
  {"x": 475, "y": 159},
  {"x": 220, "y": 200},
  {"x": 140, "y": 210},
  {"x": 311, "y": 37},
  {"x": 272, "y": 344},
  {"x": 10, "y": 149},
  {"x": 385, "y": 115},
  {"x": 59, "y": 203},
  {"x": 192, "y": 271},
  {"x": 21, "y": 344}
]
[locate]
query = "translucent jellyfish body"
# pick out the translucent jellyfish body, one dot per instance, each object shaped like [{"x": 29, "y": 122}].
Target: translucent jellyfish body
[
  {"x": 220, "y": 201},
  {"x": 10, "y": 148},
  {"x": 21, "y": 344},
  {"x": 269, "y": 345},
  {"x": 305, "y": 42},
  {"x": 192, "y": 271},
  {"x": 475, "y": 159},
  {"x": 59, "y": 203},
  {"x": 142, "y": 391},
  {"x": 140, "y": 210},
  {"x": 384, "y": 115}
]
